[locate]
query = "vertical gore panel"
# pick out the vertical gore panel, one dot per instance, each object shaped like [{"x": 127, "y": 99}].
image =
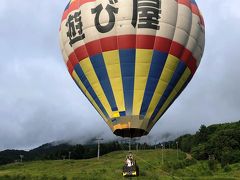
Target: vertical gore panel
[
  {"x": 112, "y": 62},
  {"x": 142, "y": 66},
  {"x": 173, "y": 82},
  {"x": 158, "y": 62},
  {"x": 127, "y": 62},
  {"x": 167, "y": 73},
  {"x": 87, "y": 94},
  {"x": 89, "y": 88},
  {"x": 101, "y": 71},
  {"x": 91, "y": 76},
  {"x": 182, "y": 83}
]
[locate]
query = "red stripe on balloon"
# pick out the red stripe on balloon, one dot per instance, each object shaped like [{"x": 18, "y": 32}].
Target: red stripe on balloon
[
  {"x": 186, "y": 55},
  {"x": 71, "y": 8},
  {"x": 162, "y": 44},
  {"x": 148, "y": 42},
  {"x": 185, "y": 2},
  {"x": 195, "y": 10},
  {"x": 190, "y": 61},
  {"x": 93, "y": 48},
  {"x": 74, "y": 6},
  {"x": 70, "y": 67},
  {"x": 145, "y": 42},
  {"x": 192, "y": 65},
  {"x": 73, "y": 59},
  {"x": 81, "y": 52},
  {"x": 128, "y": 42},
  {"x": 109, "y": 43},
  {"x": 176, "y": 49}
]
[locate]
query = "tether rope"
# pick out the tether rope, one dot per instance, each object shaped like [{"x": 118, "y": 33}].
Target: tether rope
[{"x": 153, "y": 166}]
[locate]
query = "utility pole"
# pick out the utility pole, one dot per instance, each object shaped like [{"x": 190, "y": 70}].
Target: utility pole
[
  {"x": 98, "y": 152},
  {"x": 137, "y": 139},
  {"x": 177, "y": 149},
  {"x": 129, "y": 145},
  {"x": 21, "y": 157},
  {"x": 69, "y": 155},
  {"x": 162, "y": 153}
]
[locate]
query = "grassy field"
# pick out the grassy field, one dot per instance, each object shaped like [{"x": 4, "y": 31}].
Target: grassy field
[{"x": 110, "y": 167}]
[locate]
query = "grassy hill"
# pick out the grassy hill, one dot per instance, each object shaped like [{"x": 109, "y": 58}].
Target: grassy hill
[{"x": 110, "y": 167}]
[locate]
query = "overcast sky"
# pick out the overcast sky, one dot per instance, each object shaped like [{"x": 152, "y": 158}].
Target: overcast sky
[{"x": 39, "y": 102}]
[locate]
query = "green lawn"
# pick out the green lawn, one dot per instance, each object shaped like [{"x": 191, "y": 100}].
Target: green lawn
[{"x": 110, "y": 167}]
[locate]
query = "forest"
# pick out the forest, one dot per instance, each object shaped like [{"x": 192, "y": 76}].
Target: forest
[{"x": 219, "y": 142}]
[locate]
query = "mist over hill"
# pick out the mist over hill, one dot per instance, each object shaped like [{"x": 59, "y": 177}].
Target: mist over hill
[{"x": 220, "y": 140}]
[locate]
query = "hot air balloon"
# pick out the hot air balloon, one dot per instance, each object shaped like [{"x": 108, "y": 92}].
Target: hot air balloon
[{"x": 132, "y": 58}]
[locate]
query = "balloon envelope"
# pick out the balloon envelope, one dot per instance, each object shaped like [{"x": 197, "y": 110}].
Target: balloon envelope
[{"x": 132, "y": 58}]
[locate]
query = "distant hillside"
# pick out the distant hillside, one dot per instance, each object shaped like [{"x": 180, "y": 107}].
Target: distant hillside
[
  {"x": 51, "y": 151},
  {"x": 175, "y": 165},
  {"x": 220, "y": 141},
  {"x": 9, "y": 156},
  {"x": 54, "y": 152}
]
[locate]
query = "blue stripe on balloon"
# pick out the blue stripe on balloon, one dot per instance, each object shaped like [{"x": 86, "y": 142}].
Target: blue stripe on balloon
[
  {"x": 122, "y": 113},
  {"x": 157, "y": 65},
  {"x": 67, "y": 6},
  {"x": 184, "y": 86},
  {"x": 194, "y": 2},
  {"x": 127, "y": 62},
  {"x": 175, "y": 78},
  {"x": 101, "y": 72},
  {"x": 84, "y": 93},
  {"x": 89, "y": 88}
]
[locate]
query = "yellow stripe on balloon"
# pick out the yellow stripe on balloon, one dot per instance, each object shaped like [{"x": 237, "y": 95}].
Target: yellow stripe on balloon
[
  {"x": 142, "y": 67},
  {"x": 167, "y": 73},
  {"x": 89, "y": 72},
  {"x": 173, "y": 94},
  {"x": 120, "y": 126},
  {"x": 83, "y": 88},
  {"x": 112, "y": 62}
]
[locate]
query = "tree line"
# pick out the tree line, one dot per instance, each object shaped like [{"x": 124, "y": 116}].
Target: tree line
[
  {"x": 64, "y": 151},
  {"x": 220, "y": 142}
]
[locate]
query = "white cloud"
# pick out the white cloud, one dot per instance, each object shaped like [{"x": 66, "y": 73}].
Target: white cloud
[
  {"x": 230, "y": 9},
  {"x": 3, "y": 7}
]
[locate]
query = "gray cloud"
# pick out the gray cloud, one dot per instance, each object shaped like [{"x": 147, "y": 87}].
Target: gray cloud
[
  {"x": 40, "y": 103},
  {"x": 213, "y": 95}
]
